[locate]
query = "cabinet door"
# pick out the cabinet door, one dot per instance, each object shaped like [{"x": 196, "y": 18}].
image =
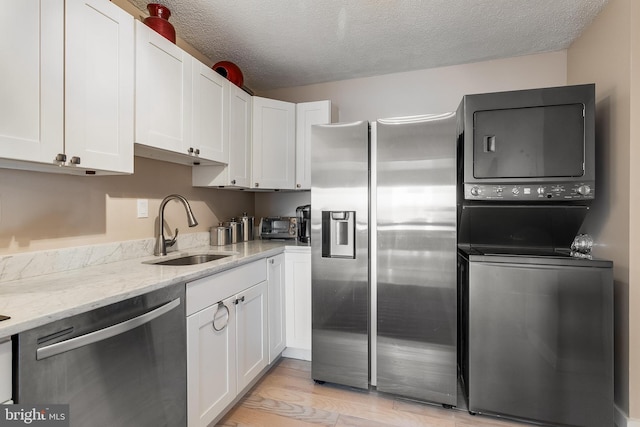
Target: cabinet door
[
  {"x": 239, "y": 172},
  {"x": 252, "y": 338},
  {"x": 31, "y": 89},
  {"x": 274, "y": 145},
  {"x": 211, "y": 365},
  {"x": 210, "y": 114},
  {"x": 275, "y": 278},
  {"x": 307, "y": 115},
  {"x": 163, "y": 92},
  {"x": 99, "y": 76},
  {"x": 5, "y": 369},
  {"x": 298, "y": 305}
]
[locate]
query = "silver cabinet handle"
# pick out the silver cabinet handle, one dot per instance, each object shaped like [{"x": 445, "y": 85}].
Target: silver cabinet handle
[
  {"x": 233, "y": 181},
  {"x": 75, "y": 160},
  {"x": 103, "y": 334},
  {"x": 213, "y": 323}
]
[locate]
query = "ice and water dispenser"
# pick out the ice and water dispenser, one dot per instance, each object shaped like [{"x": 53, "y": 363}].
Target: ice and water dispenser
[{"x": 338, "y": 234}]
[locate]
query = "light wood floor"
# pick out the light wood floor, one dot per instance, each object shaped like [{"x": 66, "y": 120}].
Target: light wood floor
[{"x": 288, "y": 397}]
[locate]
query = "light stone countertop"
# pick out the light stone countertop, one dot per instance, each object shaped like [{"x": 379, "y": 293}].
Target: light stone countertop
[{"x": 35, "y": 301}]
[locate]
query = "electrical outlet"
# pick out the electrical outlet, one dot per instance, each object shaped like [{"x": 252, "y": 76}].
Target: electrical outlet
[{"x": 143, "y": 208}]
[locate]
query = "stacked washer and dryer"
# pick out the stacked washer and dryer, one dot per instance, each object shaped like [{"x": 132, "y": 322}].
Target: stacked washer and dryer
[{"x": 535, "y": 318}]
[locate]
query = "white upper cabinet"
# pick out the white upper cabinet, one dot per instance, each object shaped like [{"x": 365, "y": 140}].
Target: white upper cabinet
[
  {"x": 274, "y": 144},
  {"x": 68, "y": 92},
  {"x": 307, "y": 115},
  {"x": 237, "y": 173},
  {"x": 99, "y": 85},
  {"x": 210, "y": 125},
  {"x": 181, "y": 104},
  {"x": 32, "y": 83},
  {"x": 163, "y": 95},
  {"x": 240, "y": 109}
]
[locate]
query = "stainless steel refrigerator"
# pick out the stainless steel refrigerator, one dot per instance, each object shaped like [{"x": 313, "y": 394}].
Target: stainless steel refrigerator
[{"x": 383, "y": 239}]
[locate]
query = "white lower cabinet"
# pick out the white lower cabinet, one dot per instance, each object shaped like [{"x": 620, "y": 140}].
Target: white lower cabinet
[
  {"x": 227, "y": 338},
  {"x": 211, "y": 365},
  {"x": 275, "y": 277},
  {"x": 5, "y": 370},
  {"x": 252, "y": 334},
  {"x": 298, "y": 303}
]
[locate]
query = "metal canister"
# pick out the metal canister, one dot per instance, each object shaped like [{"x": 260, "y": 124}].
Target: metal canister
[
  {"x": 220, "y": 235},
  {"x": 247, "y": 226},
  {"x": 236, "y": 230}
]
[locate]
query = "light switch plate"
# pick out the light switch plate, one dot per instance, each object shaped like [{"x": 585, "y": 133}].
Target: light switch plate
[{"x": 143, "y": 208}]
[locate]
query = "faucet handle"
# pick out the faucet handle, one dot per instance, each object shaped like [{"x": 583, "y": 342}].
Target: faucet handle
[{"x": 172, "y": 241}]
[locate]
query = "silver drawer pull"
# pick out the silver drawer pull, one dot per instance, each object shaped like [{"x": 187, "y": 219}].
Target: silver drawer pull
[
  {"x": 103, "y": 334},
  {"x": 226, "y": 323}
]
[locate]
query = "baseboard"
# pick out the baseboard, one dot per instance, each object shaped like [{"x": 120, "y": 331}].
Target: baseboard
[
  {"x": 622, "y": 420},
  {"x": 297, "y": 353}
]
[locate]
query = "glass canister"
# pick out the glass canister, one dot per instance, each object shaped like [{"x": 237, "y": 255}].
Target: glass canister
[
  {"x": 247, "y": 226},
  {"x": 220, "y": 235}
]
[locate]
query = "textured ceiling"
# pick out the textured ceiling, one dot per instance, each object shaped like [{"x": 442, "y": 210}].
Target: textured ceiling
[{"x": 284, "y": 43}]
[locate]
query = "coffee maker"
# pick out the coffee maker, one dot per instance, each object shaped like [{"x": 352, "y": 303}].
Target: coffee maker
[{"x": 303, "y": 214}]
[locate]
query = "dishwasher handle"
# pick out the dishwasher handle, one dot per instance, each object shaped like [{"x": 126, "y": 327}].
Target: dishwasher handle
[{"x": 103, "y": 334}]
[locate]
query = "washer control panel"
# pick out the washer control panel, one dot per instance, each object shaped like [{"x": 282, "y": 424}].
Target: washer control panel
[{"x": 547, "y": 191}]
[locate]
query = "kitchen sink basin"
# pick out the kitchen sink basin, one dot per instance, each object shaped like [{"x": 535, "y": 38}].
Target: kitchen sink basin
[{"x": 189, "y": 259}]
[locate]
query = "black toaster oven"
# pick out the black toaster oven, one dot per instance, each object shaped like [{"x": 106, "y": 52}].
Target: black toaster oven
[{"x": 278, "y": 227}]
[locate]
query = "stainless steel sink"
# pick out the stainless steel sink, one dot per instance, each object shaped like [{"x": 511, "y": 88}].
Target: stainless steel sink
[{"x": 192, "y": 259}]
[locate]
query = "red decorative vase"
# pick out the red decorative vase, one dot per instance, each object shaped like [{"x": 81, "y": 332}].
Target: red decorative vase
[
  {"x": 159, "y": 21},
  {"x": 230, "y": 71}
]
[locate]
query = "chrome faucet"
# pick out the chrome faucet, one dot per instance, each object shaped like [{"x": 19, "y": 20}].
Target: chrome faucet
[{"x": 163, "y": 244}]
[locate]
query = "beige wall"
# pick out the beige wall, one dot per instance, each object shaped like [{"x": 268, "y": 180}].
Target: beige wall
[
  {"x": 607, "y": 54},
  {"x": 634, "y": 214},
  {"x": 46, "y": 211},
  {"x": 436, "y": 90}
]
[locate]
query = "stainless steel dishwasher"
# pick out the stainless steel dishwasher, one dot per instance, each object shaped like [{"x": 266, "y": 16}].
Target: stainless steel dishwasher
[{"x": 119, "y": 365}]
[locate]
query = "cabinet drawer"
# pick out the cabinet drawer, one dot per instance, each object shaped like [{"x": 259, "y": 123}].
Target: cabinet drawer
[
  {"x": 5, "y": 370},
  {"x": 209, "y": 290}
]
